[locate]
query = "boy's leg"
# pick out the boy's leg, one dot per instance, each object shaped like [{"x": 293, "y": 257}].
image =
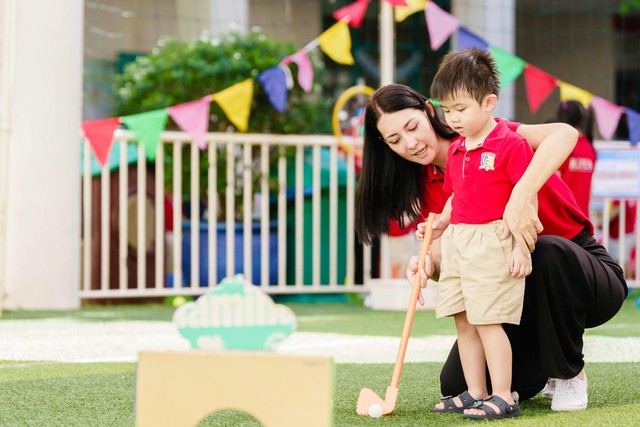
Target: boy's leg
[
  {"x": 471, "y": 358},
  {"x": 497, "y": 351}
]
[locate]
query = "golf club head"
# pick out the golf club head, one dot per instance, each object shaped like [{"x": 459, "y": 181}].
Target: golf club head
[{"x": 369, "y": 397}]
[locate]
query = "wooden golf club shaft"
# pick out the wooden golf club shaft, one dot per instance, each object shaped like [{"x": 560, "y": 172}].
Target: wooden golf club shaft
[{"x": 408, "y": 320}]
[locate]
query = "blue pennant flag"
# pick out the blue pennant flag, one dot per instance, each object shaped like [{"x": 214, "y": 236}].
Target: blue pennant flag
[
  {"x": 633, "y": 122},
  {"x": 467, "y": 39},
  {"x": 274, "y": 82}
]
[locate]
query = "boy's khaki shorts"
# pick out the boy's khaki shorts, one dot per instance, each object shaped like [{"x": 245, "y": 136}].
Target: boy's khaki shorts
[{"x": 475, "y": 275}]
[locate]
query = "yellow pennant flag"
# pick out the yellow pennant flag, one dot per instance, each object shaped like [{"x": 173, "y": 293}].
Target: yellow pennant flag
[
  {"x": 413, "y": 6},
  {"x": 336, "y": 43},
  {"x": 235, "y": 101},
  {"x": 573, "y": 93}
]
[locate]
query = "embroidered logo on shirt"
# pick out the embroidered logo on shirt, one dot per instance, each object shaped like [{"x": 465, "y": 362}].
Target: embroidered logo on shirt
[{"x": 487, "y": 161}]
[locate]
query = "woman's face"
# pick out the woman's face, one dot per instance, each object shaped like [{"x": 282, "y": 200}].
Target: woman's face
[{"x": 409, "y": 133}]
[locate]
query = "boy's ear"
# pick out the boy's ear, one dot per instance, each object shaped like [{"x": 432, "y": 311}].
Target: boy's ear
[{"x": 491, "y": 101}]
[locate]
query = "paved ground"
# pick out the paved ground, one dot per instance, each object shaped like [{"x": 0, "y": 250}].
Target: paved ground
[{"x": 69, "y": 340}]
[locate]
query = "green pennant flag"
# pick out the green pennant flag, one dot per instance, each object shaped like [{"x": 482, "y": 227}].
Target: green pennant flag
[
  {"x": 509, "y": 65},
  {"x": 147, "y": 128}
]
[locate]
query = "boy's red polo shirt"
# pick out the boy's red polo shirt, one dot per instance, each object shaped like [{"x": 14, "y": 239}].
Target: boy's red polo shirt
[
  {"x": 557, "y": 208},
  {"x": 482, "y": 178}
]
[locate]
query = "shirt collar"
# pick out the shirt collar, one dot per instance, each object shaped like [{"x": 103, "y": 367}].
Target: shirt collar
[
  {"x": 434, "y": 173},
  {"x": 492, "y": 142}
]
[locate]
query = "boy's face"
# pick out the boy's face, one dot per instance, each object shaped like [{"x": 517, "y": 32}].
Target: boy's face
[{"x": 465, "y": 115}]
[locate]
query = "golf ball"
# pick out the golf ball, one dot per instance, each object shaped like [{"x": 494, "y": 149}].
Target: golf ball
[{"x": 375, "y": 411}]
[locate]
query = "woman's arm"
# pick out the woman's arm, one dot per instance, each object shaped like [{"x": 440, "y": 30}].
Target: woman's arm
[{"x": 552, "y": 142}]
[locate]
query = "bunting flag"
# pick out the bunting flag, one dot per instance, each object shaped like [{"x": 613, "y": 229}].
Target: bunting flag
[
  {"x": 570, "y": 92},
  {"x": 607, "y": 115},
  {"x": 274, "y": 82},
  {"x": 440, "y": 24},
  {"x": 336, "y": 43},
  {"x": 235, "y": 101},
  {"x": 509, "y": 66},
  {"x": 353, "y": 13},
  {"x": 538, "y": 85},
  {"x": 397, "y": 3},
  {"x": 466, "y": 39},
  {"x": 147, "y": 128},
  {"x": 99, "y": 133},
  {"x": 305, "y": 69},
  {"x": 413, "y": 6},
  {"x": 633, "y": 122},
  {"x": 193, "y": 118}
]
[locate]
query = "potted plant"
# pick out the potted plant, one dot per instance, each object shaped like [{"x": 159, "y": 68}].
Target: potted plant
[{"x": 178, "y": 71}]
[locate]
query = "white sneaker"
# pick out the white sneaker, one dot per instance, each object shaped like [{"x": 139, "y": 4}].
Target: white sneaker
[
  {"x": 570, "y": 395},
  {"x": 549, "y": 389}
]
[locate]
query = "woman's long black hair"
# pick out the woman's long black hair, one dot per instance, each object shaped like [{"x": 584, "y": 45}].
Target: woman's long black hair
[
  {"x": 581, "y": 118},
  {"x": 389, "y": 187}
]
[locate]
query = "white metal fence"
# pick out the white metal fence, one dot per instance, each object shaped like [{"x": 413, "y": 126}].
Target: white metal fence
[
  {"x": 297, "y": 236},
  {"x": 309, "y": 221}
]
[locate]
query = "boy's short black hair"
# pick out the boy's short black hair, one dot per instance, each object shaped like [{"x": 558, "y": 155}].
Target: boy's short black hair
[{"x": 470, "y": 70}]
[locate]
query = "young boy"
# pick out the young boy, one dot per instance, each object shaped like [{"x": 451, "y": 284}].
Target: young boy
[{"x": 482, "y": 275}]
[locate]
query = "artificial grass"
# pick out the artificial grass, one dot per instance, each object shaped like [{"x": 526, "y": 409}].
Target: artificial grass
[
  {"x": 350, "y": 318},
  {"x": 102, "y": 394}
]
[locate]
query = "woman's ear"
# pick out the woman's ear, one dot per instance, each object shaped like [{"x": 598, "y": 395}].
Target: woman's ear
[
  {"x": 491, "y": 101},
  {"x": 431, "y": 110}
]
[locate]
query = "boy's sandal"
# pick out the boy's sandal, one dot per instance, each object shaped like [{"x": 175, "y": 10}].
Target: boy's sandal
[
  {"x": 506, "y": 410},
  {"x": 466, "y": 400}
]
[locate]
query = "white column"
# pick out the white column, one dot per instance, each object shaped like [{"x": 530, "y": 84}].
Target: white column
[
  {"x": 387, "y": 67},
  {"x": 43, "y": 195},
  {"x": 494, "y": 21}
]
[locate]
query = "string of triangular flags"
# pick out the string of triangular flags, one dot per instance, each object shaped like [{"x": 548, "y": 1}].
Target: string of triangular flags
[{"x": 235, "y": 101}]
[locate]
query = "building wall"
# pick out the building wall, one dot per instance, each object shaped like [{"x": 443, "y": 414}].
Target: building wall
[{"x": 575, "y": 44}]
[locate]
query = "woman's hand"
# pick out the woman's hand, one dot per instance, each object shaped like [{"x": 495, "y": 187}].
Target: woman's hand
[
  {"x": 521, "y": 219},
  {"x": 438, "y": 228}
]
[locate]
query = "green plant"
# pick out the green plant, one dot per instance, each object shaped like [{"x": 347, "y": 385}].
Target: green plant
[{"x": 178, "y": 71}]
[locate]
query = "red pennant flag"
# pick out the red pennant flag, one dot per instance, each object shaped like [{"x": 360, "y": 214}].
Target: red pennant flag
[
  {"x": 539, "y": 86},
  {"x": 401, "y": 3},
  {"x": 100, "y": 136},
  {"x": 353, "y": 13}
]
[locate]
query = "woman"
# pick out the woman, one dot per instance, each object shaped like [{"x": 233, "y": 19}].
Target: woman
[
  {"x": 575, "y": 283},
  {"x": 577, "y": 170}
]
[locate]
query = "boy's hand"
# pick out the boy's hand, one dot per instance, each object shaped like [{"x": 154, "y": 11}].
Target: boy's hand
[{"x": 520, "y": 262}]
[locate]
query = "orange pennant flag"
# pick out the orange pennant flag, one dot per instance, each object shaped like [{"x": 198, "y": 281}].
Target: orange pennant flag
[
  {"x": 235, "y": 101},
  {"x": 336, "y": 43}
]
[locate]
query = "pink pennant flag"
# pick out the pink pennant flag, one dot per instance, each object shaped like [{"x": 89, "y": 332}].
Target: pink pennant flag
[
  {"x": 99, "y": 133},
  {"x": 440, "y": 24},
  {"x": 401, "y": 3},
  {"x": 305, "y": 69},
  {"x": 353, "y": 13},
  {"x": 539, "y": 86},
  {"x": 193, "y": 118},
  {"x": 607, "y": 115}
]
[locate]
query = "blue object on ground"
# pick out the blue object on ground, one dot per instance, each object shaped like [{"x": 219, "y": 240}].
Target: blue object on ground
[{"x": 221, "y": 245}]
